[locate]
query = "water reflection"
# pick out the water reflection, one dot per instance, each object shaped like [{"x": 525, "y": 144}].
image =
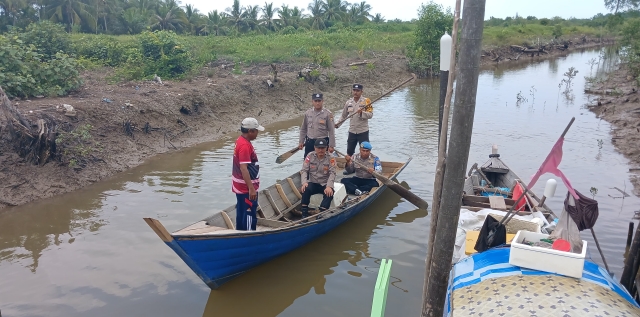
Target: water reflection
[
  {"x": 25, "y": 235},
  {"x": 309, "y": 266}
]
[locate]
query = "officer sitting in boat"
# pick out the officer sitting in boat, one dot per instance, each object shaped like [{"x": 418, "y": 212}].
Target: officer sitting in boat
[
  {"x": 364, "y": 180},
  {"x": 318, "y": 174}
]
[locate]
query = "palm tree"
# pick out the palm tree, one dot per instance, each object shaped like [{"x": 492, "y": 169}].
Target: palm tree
[
  {"x": 11, "y": 8},
  {"x": 168, "y": 16},
  {"x": 334, "y": 10},
  {"x": 194, "y": 18},
  {"x": 251, "y": 16},
  {"x": 378, "y": 18},
  {"x": 236, "y": 16},
  {"x": 135, "y": 20},
  {"x": 215, "y": 23},
  {"x": 268, "y": 11},
  {"x": 317, "y": 14},
  {"x": 71, "y": 12}
]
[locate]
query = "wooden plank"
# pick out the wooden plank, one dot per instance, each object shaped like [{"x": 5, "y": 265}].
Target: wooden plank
[
  {"x": 283, "y": 195},
  {"x": 159, "y": 229},
  {"x": 271, "y": 223},
  {"x": 294, "y": 188},
  {"x": 273, "y": 204},
  {"x": 265, "y": 206},
  {"x": 227, "y": 220},
  {"x": 497, "y": 202},
  {"x": 275, "y": 195}
]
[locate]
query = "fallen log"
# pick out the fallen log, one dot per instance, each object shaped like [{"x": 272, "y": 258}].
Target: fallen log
[
  {"x": 359, "y": 63},
  {"x": 518, "y": 47}
]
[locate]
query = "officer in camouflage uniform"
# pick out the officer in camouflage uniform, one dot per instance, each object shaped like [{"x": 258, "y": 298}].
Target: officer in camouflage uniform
[
  {"x": 359, "y": 123},
  {"x": 317, "y": 125},
  {"x": 364, "y": 180},
  {"x": 317, "y": 175}
]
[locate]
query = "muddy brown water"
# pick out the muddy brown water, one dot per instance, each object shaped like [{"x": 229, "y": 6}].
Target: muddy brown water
[{"x": 88, "y": 253}]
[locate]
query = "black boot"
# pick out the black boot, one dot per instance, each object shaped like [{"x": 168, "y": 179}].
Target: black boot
[{"x": 305, "y": 211}]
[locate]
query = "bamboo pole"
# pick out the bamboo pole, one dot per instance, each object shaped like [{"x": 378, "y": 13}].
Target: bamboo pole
[
  {"x": 457, "y": 159},
  {"x": 442, "y": 147},
  {"x": 629, "y": 261}
]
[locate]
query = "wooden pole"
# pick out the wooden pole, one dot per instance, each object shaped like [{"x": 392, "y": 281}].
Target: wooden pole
[
  {"x": 444, "y": 84},
  {"x": 629, "y": 239},
  {"x": 457, "y": 158},
  {"x": 442, "y": 147},
  {"x": 600, "y": 250},
  {"x": 629, "y": 261}
]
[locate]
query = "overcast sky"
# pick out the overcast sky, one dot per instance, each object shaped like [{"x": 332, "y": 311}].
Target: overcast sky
[{"x": 407, "y": 9}]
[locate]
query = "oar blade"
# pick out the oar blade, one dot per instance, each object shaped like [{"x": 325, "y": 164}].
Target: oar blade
[
  {"x": 409, "y": 196},
  {"x": 286, "y": 155}
]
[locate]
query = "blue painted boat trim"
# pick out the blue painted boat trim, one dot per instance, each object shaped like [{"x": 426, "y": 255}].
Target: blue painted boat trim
[
  {"x": 494, "y": 263},
  {"x": 219, "y": 258}
]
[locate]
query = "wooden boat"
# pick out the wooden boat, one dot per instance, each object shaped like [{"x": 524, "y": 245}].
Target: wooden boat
[
  {"x": 494, "y": 176},
  {"x": 486, "y": 283},
  {"x": 217, "y": 253}
]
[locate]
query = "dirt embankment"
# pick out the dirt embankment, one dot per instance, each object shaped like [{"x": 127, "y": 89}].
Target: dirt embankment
[
  {"x": 518, "y": 53},
  {"x": 618, "y": 102},
  {"x": 134, "y": 121}
]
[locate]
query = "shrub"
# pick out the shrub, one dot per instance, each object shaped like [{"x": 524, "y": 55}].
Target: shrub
[
  {"x": 48, "y": 38},
  {"x": 424, "y": 53},
  {"x": 105, "y": 50},
  {"x": 163, "y": 54},
  {"x": 26, "y": 72},
  {"x": 319, "y": 56}
]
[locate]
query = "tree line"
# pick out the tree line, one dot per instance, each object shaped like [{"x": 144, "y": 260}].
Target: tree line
[{"x": 136, "y": 16}]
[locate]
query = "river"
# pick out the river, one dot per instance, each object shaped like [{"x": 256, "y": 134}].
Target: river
[{"x": 89, "y": 253}]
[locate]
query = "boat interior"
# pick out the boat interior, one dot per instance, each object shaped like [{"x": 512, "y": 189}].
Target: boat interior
[
  {"x": 279, "y": 205},
  {"x": 492, "y": 186}
]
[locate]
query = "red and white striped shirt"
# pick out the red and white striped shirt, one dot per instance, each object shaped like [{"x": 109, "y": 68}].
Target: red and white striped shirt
[{"x": 244, "y": 153}]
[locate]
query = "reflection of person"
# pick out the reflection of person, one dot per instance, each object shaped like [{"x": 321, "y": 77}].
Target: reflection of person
[
  {"x": 317, "y": 175},
  {"x": 317, "y": 124},
  {"x": 245, "y": 177},
  {"x": 364, "y": 180},
  {"x": 359, "y": 123}
]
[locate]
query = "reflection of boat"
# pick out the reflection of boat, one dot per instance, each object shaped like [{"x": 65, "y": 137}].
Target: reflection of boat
[
  {"x": 307, "y": 269},
  {"x": 218, "y": 253},
  {"x": 486, "y": 282}
]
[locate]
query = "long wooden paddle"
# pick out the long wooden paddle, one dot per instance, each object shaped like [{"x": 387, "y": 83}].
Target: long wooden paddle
[
  {"x": 413, "y": 76},
  {"x": 397, "y": 188},
  {"x": 287, "y": 155}
]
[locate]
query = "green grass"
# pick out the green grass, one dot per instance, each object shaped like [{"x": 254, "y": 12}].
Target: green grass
[
  {"x": 285, "y": 47},
  {"x": 529, "y": 33}
]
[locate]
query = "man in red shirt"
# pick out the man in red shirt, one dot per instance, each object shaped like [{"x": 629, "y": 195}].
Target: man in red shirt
[{"x": 245, "y": 177}]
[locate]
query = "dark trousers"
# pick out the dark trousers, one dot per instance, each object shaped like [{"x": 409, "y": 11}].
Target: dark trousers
[
  {"x": 246, "y": 218},
  {"x": 312, "y": 189},
  {"x": 309, "y": 146},
  {"x": 363, "y": 184},
  {"x": 355, "y": 139}
]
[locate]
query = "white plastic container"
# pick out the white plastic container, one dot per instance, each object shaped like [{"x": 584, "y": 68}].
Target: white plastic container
[
  {"x": 339, "y": 193},
  {"x": 543, "y": 259}
]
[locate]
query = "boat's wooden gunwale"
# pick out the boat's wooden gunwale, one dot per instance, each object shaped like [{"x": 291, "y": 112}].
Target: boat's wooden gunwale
[{"x": 392, "y": 171}]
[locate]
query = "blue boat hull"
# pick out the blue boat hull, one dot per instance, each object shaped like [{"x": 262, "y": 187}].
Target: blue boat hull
[{"x": 218, "y": 259}]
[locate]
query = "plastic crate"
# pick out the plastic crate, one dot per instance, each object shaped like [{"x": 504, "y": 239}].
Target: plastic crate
[{"x": 543, "y": 259}]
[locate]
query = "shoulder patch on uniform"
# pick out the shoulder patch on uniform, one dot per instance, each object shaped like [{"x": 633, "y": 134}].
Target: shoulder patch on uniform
[
  {"x": 306, "y": 159},
  {"x": 333, "y": 161}
]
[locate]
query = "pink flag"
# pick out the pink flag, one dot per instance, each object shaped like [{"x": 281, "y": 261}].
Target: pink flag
[{"x": 550, "y": 165}]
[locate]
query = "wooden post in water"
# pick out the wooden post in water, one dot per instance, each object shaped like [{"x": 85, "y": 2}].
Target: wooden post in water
[
  {"x": 629, "y": 261},
  {"x": 457, "y": 157},
  {"x": 442, "y": 147}
]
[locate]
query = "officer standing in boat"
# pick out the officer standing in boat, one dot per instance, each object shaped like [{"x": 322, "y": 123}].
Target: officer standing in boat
[
  {"x": 359, "y": 123},
  {"x": 317, "y": 175},
  {"x": 245, "y": 175},
  {"x": 317, "y": 125}
]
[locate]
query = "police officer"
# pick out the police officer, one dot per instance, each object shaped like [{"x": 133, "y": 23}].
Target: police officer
[
  {"x": 318, "y": 174},
  {"x": 364, "y": 180},
  {"x": 317, "y": 124},
  {"x": 359, "y": 123}
]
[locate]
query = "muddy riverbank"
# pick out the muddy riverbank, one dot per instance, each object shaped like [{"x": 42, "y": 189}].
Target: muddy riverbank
[
  {"x": 541, "y": 51},
  {"x": 617, "y": 101},
  {"x": 133, "y": 121}
]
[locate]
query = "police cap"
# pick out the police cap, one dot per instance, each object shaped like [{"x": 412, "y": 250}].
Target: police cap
[
  {"x": 316, "y": 96},
  {"x": 358, "y": 86},
  {"x": 320, "y": 143}
]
